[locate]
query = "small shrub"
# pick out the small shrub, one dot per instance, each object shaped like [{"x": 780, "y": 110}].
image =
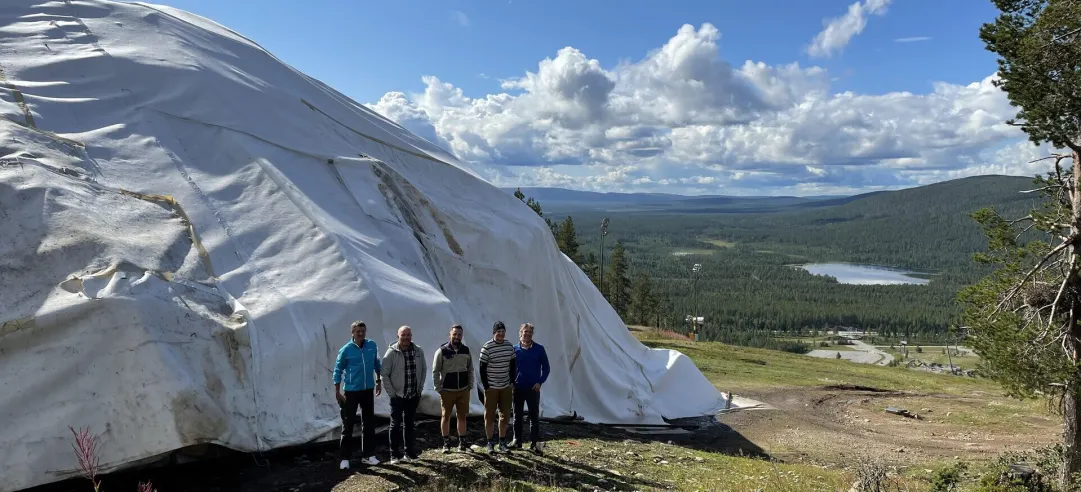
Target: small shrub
[
  {"x": 671, "y": 335},
  {"x": 823, "y": 344},
  {"x": 995, "y": 481},
  {"x": 794, "y": 347},
  {"x": 870, "y": 476},
  {"x": 86, "y": 452},
  {"x": 894, "y": 363},
  {"x": 838, "y": 355},
  {"x": 948, "y": 477},
  {"x": 1046, "y": 461},
  {"x": 919, "y": 350}
]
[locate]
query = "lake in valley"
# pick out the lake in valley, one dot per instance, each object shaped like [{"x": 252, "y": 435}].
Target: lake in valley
[{"x": 851, "y": 273}]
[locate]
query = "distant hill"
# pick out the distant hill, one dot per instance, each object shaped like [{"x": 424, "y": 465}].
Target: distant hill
[
  {"x": 564, "y": 200},
  {"x": 562, "y": 195},
  {"x": 747, "y": 282},
  {"x": 928, "y": 227},
  {"x": 961, "y": 192}
]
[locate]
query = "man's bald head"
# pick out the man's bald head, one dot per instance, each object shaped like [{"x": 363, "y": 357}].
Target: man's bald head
[{"x": 405, "y": 337}]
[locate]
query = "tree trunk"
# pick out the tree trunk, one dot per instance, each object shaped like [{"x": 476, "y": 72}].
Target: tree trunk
[
  {"x": 1071, "y": 428},
  {"x": 1071, "y": 436}
]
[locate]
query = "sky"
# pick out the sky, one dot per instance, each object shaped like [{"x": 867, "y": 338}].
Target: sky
[{"x": 772, "y": 97}]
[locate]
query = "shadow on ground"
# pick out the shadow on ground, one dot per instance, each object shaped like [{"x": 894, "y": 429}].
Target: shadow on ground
[{"x": 314, "y": 467}]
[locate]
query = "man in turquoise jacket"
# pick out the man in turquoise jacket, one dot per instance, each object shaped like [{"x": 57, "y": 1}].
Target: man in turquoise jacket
[{"x": 358, "y": 367}]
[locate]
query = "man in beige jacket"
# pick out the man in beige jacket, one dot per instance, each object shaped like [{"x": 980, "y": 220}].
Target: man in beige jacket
[{"x": 452, "y": 372}]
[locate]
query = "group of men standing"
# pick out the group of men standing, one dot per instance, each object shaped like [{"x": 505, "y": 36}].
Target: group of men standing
[{"x": 511, "y": 376}]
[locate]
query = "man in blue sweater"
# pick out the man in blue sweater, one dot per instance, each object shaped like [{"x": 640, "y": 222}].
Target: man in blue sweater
[
  {"x": 531, "y": 372},
  {"x": 358, "y": 366}
]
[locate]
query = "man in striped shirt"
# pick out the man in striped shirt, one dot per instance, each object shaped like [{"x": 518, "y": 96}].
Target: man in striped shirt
[{"x": 497, "y": 369}]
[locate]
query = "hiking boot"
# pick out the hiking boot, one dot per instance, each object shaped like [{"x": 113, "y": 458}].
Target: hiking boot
[
  {"x": 514, "y": 444},
  {"x": 535, "y": 449},
  {"x": 503, "y": 447},
  {"x": 491, "y": 447},
  {"x": 371, "y": 460},
  {"x": 446, "y": 445},
  {"x": 462, "y": 446},
  {"x": 344, "y": 465}
]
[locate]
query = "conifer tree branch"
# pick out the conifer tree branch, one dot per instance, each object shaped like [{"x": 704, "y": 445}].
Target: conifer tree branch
[
  {"x": 1062, "y": 288},
  {"x": 1026, "y": 229},
  {"x": 1017, "y": 288}
]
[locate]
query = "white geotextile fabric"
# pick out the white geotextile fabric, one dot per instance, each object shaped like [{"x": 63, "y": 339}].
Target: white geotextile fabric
[{"x": 137, "y": 137}]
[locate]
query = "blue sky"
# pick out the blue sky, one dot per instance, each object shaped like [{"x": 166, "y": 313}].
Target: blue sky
[{"x": 656, "y": 127}]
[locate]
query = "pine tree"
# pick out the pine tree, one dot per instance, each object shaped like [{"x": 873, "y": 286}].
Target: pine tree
[
  {"x": 591, "y": 268},
  {"x": 642, "y": 301},
  {"x": 1025, "y": 318},
  {"x": 567, "y": 239},
  {"x": 618, "y": 288},
  {"x": 536, "y": 206},
  {"x": 663, "y": 312}
]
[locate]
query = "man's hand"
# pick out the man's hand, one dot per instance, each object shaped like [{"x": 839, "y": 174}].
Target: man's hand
[
  {"x": 378, "y": 387},
  {"x": 340, "y": 397},
  {"x": 536, "y": 387}
]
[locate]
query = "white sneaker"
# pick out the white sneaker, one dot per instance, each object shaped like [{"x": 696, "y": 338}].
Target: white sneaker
[
  {"x": 344, "y": 465},
  {"x": 394, "y": 461},
  {"x": 371, "y": 460},
  {"x": 405, "y": 459}
]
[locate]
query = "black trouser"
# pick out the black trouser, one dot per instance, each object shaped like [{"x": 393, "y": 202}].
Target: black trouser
[
  {"x": 366, "y": 400},
  {"x": 523, "y": 396},
  {"x": 403, "y": 412}
]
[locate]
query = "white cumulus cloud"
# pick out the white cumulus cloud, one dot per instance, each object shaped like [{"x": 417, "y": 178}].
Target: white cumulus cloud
[
  {"x": 840, "y": 30},
  {"x": 681, "y": 119}
]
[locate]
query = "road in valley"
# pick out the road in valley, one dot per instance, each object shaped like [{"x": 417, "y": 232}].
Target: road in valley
[{"x": 859, "y": 352}]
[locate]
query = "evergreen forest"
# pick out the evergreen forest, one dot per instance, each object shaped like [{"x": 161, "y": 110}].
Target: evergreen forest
[{"x": 750, "y": 289}]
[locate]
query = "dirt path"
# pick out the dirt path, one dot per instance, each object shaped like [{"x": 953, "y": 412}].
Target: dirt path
[
  {"x": 860, "y": 352},
  {"x": 834, "y": 426}
]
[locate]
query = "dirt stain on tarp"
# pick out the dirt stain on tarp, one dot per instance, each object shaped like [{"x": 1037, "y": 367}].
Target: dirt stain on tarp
[
  {"x": 394, "y": 188},
  {"x": 227, "y": 339},
  {"x": 197, "y": 419},
  {"x": 17, "y": 95},
  {"x": 15, "y": 325}
]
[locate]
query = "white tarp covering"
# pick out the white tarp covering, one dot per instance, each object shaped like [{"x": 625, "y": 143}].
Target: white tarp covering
[{"x": 188, "y": 226}]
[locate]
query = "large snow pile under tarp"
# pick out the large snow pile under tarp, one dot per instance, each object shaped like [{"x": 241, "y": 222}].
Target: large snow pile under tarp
[{"x": 188, "y": 226}]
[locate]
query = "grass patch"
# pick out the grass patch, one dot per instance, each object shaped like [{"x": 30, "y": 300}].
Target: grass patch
[
  {"x": 661, "y": 466},
  {"x": 839, "y": 348},
  {"x": 816, "y": 343},
  {"x": 934, "y": 355},
  {"x": 723, "y": 365}
]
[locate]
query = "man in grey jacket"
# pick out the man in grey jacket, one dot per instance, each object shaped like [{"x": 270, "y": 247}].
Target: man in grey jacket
[{"x": 404, "y": 369}]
